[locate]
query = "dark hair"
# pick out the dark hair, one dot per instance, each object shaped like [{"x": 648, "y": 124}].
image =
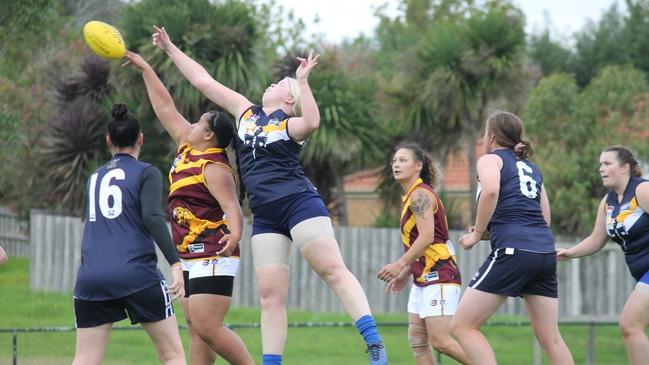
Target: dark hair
[
  {"x": 508, "y": 131},
  {"x": 124, "y": 128},
  {"x": 624, "y": 156},
  {"x": 222, "y": 126},
  {"x": 429, "y": 172},
  {"x": 224, "y": 130}
]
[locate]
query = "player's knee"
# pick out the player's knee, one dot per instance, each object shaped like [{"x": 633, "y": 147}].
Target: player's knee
[
  {"x": 418, "y": 339},
  {"x": 456, "y": 327},
  {"x": 271, "y": 299},
  {"x": 172, "y": 355},
  {"x": 205, "y": 326},
  {"x": 332, "y": 272},
  {"x": 628, "y": 328},
  {"x": 441, "y": 343}
]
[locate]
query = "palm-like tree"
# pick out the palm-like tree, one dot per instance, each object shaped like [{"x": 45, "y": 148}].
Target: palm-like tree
[
  {"x": 348, "y": 136},
  {"x": 74, "y": 140},
  {"x": 461, "y": 65},
  {"x": 222, "y": 36}
]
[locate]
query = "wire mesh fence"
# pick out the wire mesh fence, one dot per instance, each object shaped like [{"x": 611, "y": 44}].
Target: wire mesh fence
[{"x": 131, "y": 345}]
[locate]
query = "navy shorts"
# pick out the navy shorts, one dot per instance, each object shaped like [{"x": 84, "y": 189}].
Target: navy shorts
[
  {"x": 281, "y": 215},
  {"x": 152, "y": 304},
  {"x": 513, "y": 272},
  {"x": 644, "y": 278}
]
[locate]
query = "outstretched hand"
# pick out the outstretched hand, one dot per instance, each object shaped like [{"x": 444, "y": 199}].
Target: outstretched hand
[
  {"x": 135, "y": 60},
  {"x": 160, "y": 38},
  {"x": 306, "y": 65}
]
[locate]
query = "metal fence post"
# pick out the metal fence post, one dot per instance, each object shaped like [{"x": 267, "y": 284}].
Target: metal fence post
[
  {"x": 15, "y": 347},
  {"x": 591, "y": 343},
  {"x": 537, "y": 352}
]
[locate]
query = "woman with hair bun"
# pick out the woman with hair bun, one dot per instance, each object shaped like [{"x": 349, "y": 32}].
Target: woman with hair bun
[
  {"x": 428, "y": 257},
  {"x": 118, "y": 276},
  {"x": 622, "y": 216},
  {"x": 206, "y": 221},
  {"x": 514, "y": 208}
]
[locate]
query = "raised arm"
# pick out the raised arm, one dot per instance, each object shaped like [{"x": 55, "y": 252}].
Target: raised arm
[
  {"x": 220, "y": 183},
  {"x": 592, "y": 243},
  {"x": 196, "y": 74},
  {"x": 301, "y": 128},
  {"x": 161, "y": 101}
]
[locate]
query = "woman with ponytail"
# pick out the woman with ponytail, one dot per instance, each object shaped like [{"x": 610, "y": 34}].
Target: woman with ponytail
[
  {"x": 622, "y": 216},
  {"x": 513, "y": 206},
  {"x": 428, "y": 257},
  {"x": 206, "y": 221}
]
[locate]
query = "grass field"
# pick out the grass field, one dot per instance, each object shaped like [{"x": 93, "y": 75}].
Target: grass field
[{"x": 24, "y": 308}]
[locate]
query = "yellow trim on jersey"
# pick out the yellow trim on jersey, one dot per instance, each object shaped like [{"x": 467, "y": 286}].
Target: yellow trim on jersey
[
  {"x": 186, "y": 181},
  {"x": 407, "y": 229},
  {"x": 181, "y": 166},
  {"x": 275, "y": 128},
  {"x": 435, "y": 252},
  {"x": 412, "y": 221},
  {"x": 407, "y": 195},
  {"x": 217, "y": 163},
  {"x": 633, "y": 205},
  {"x": 198, "y": 152},
  {"x": 246, "y": 114}
]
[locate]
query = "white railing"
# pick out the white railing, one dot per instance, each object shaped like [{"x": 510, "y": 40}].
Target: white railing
[{"x": 594, "y": 286}]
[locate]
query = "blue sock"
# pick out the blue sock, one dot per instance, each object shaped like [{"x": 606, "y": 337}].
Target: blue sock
[
  {"x": 367, "y": 328},
  {"x": 270, "y": 359}
]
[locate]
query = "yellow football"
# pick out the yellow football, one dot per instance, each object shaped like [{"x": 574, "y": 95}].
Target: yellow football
[{"x": 104, "y": 39}]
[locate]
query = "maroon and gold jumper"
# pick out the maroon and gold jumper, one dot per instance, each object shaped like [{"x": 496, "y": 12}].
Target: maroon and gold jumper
[
  {"x": 438, "y": 264},
  {"x": 197, "y": 220}
]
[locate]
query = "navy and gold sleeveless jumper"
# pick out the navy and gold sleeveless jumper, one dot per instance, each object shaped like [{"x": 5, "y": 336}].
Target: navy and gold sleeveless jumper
[{"x": 628, "y": 225}]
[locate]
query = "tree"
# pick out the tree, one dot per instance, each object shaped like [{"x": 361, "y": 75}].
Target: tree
[
  {"x": 463, "y": 62},
  {"x": 74, "y": 140},
  {"x": 24, "y": 23},
  {"x": 598, "y": 45},
  {"x": 347, "y": 137},
  {"x": 27, "y": 110},
  {"x": 571, "y": 128},
  {"x": 224, "y": 37},
  {"x": 550, "y": 55}
]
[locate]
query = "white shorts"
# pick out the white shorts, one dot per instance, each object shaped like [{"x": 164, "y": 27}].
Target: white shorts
[
  {"x": 211, "y": 266},
  {"x": 434, "y": 300}
]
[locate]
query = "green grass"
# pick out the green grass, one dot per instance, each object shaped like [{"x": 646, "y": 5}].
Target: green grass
[{"x": 23, "y": 308}]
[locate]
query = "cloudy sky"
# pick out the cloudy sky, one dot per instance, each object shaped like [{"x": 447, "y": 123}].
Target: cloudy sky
[{"x": 341, "y": 19}]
